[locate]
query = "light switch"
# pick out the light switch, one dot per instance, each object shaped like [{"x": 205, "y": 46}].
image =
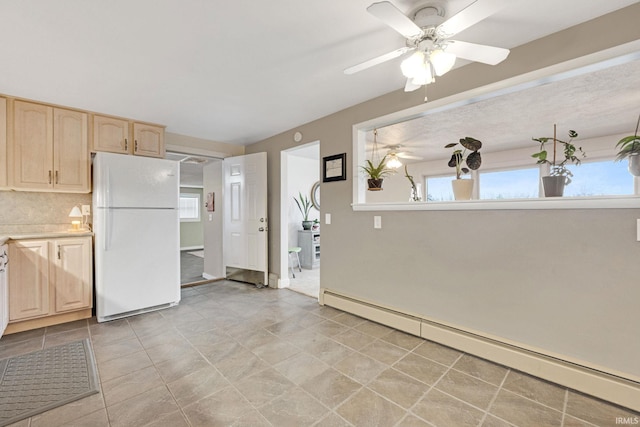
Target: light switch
[
  {"x": 210, "y": 217},
  {"x": 638, "y": 230},
  {"x": 86, "y": 209},
  {"x": 377, "y": 221},
  {"x": 327, "y": 218}
]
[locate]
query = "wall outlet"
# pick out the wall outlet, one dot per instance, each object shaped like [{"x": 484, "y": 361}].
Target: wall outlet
[
  {"x": 327, "y": 218},
  {"x": 638, "y": 230},
  {"x": 377, "y": 222},
  {"x": 86, "y": 209}
]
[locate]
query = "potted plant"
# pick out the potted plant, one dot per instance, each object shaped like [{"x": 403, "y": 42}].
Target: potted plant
[
  {"x": 469, "y": 154},
  {"x": 416, "y": 195},
  {"x": 304, "y": 204},
  {"x": 376, "y": 173},
  {"x": 559, "y": 176},
  {"x": 629, "y": 147}
]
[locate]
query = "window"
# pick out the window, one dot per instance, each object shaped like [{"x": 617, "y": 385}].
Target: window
[
  {"x": 439, "y": 188},
  {"x": 510, "y": 184},
  {"x": 189, "y": 207},
  {"x": 600, "y": 178}
]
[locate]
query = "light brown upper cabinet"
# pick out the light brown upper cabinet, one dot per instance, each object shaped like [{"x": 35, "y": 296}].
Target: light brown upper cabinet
[
  {"x": 3, "y": 143},
  {"x": 112, "y": 134},
  {"x": 49, "y": 150},
  {"x": 148, "y": 140}
]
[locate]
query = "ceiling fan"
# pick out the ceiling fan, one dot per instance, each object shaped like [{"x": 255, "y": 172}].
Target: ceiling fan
[
  {"x": 394, "y": 155},
  {"x": 428, "y": 37}
]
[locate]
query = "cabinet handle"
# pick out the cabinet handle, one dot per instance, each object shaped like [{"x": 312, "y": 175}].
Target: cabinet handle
[
  {"x": 49, "y": 177},
  {"x": 126, "y": 144},
  {"x": 56, "y": 177},
  {"x": 59, "y": 252},
  {"x": 135, "y": 147}
]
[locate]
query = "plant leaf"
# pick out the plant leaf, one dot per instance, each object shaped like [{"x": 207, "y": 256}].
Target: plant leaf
[
  {"x": 474, "y": 160},
  {"x": 471, "y": 144},
  {"x": 452, "y": 144}
]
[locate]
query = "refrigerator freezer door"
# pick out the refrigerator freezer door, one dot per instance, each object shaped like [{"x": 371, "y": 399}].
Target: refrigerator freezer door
[
  {"x": 137, "y": 260},
  {"x": 134, "y": 181}
]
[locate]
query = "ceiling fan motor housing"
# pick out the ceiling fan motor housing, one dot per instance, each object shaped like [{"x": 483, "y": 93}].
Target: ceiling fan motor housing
[{"x": 427, "y": 17}]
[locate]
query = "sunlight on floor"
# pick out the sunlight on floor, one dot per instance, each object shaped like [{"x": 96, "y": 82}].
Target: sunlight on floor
[{"x": 306, "y": 282}]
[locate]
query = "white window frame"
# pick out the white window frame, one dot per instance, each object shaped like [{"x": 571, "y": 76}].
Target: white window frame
[
  {"x": 197, "y": 197},
  {"x": 627, "y": 52}
]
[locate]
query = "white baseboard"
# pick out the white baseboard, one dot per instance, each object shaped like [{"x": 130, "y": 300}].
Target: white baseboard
[
  {"x": 284, "y": 283},
  {"x": 615, "y": 388}
]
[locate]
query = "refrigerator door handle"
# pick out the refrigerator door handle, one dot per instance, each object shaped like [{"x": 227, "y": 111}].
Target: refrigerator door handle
[{"x": 107, "y": 229}]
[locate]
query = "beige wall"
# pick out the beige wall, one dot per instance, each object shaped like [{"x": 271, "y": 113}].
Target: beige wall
[
  {"x": 564, "y": 281},
  {"x": 192, "y": 145}
]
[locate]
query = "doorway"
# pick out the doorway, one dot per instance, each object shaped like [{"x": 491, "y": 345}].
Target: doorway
[
  {"x": 300, "y": 176},
  {"x": 199, "y": 222}
]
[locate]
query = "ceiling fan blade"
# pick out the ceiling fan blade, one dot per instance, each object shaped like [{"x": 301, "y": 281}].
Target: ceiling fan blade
[
  {"x": 477, "y": 52},
  {"x": 471, "y": 15},
  {"x": 408, "y": 156},
  {"x": 410, "y": 86},
  {"x": 377, "y": 60},
  {"x": 393, "y": 17}
]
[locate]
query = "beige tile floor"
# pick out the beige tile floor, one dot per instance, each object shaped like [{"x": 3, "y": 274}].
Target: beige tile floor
[{"x": 234, "y": 355}]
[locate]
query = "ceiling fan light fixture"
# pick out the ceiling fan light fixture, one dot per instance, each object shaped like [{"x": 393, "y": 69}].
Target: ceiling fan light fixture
[
  {"x": 442, "y": 61},
  {"x": 424, "y": 77},
  {"x": 413, "y": 65},
  {"x": 393, "y": 162}
]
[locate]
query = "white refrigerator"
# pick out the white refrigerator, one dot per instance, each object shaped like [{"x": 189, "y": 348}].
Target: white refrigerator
[{"x": 136, "y": 226}]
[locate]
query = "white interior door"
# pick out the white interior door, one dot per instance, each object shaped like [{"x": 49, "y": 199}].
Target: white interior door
[{"x": 245, "y": 213}]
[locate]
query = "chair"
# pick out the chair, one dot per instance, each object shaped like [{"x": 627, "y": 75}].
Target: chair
[{"x": 295, "y": 250}]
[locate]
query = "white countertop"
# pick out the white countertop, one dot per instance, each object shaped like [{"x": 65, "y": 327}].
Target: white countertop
[{"x": 43, "y": 235}]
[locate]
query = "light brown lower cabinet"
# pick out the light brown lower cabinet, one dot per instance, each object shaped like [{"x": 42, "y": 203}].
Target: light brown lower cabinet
[{"x": 50, "y": 282}]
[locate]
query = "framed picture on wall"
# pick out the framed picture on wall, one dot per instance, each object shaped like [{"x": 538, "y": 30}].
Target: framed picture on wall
[{"x": 334, "y": 168}]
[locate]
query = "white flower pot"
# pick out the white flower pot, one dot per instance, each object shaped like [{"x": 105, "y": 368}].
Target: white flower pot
[
  {"x": 462, "y": 189},
  {"x": 634, "y": 164},
  {"x": 553, "y": 185}
]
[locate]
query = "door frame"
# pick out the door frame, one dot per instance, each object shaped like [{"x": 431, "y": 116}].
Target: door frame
[
  {"x": 283, "y": 281},
  {"x": 190, "y": 151}
]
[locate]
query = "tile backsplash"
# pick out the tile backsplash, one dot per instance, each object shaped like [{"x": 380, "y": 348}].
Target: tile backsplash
[{"x": 25, "y": 212}]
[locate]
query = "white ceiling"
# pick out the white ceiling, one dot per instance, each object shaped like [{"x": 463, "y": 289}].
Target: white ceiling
[
  {"x": 594, "y": 104},
  {"x": 234, "y": 71}
]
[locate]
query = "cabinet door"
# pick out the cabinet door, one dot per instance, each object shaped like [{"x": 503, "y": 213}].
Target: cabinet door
[
  {"x": 32, "y": 147},
  {"x": 72, "y": 275},
  {"x": 28, "y": 279},
  {"x": 3, "y": 143},
  {"x": 110, "y": 134},
  {"x": 148, "y": 140},
  {"x": 70, "y": 151}
]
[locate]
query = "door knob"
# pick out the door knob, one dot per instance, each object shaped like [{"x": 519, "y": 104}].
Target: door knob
[{"x": 261, "y": 229}]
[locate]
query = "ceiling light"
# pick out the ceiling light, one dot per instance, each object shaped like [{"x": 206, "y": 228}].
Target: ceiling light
[
  {"x": 393, "y": 162},
  {"x": 442, "y": 61},
  {"x": 413, "y": 65},
  {"x": 422, "y": 66}
]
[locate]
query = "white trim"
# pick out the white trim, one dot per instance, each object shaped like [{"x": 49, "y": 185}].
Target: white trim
[
  {"x": 284, "y": 283},
  {"x": 593, "y": 202},
  {"x": 613, "y": 386}
]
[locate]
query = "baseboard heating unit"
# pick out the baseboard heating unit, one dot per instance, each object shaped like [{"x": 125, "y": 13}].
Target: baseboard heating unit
[{"x": 574, "y": 374}]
